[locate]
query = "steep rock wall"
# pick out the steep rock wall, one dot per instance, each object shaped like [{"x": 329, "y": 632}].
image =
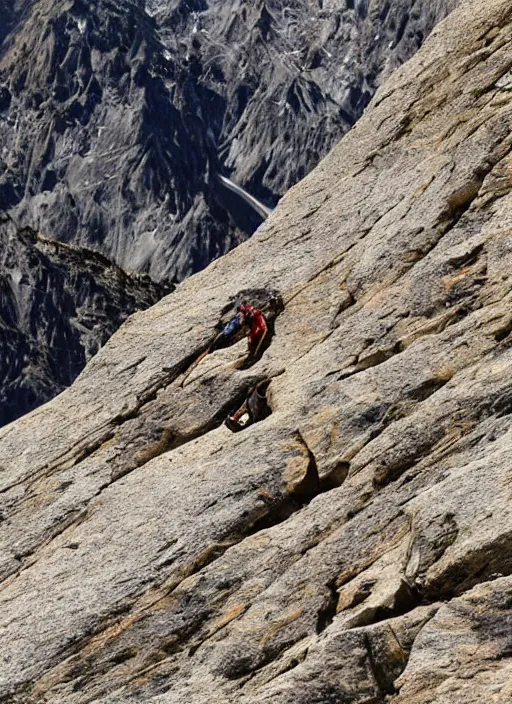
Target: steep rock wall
[{"x": 354, "y": 545}]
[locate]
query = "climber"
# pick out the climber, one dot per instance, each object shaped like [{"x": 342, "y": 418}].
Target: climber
[
  {"x": 250, "y": 321},
  {"x": 254, "y": 321},
  {"x": 254, "y": 408}
]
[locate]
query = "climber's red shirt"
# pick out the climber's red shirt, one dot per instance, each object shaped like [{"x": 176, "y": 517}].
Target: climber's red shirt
[{"x": 258, "y": 327}]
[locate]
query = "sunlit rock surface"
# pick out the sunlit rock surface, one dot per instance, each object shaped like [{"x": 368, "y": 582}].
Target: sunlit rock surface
[{"x": 354, "y": 546}]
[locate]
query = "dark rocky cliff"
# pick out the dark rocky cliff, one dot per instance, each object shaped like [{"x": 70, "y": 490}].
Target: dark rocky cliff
[
  {"x": 58, "y": 305},
  {"x": 115, "y": 116}
]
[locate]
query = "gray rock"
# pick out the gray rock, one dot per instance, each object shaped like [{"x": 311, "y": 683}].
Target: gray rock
[
  {"x": 354, "y": 545},
  {"x": 59, "y": 304},
  {"x": 116, "y": 118}
]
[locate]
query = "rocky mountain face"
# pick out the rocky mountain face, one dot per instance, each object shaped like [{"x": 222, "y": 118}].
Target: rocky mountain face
[
  {"x": 353, "y": 546},
  {"x": 116, "y": 121},
  {"x": 117, "y": 117},
  {"x": 58, "y": 305}
]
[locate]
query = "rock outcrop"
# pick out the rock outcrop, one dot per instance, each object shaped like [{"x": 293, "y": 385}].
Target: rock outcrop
[
  {"x": 99, "y": 147},
  {"x": 58, "y": 305},
  {"x": 355, "y": 545},
  {"x": 116, "y": 117}
]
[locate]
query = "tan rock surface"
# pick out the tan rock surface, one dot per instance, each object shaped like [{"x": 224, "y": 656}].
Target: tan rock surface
[{"x": 355, "y": 546}]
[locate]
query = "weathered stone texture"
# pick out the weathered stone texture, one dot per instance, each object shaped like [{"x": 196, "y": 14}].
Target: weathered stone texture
[{"x": 354, "y": 546}]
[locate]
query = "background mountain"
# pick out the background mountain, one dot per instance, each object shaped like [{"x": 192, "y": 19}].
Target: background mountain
[
  {"x": 116, "y": 117},
  {"x": 354, "y": 546},
  {"x": 58, "y": 305}
]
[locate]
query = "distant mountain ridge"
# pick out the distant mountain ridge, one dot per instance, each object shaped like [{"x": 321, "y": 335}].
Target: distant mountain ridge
[{"x": 115, "y": 116}]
